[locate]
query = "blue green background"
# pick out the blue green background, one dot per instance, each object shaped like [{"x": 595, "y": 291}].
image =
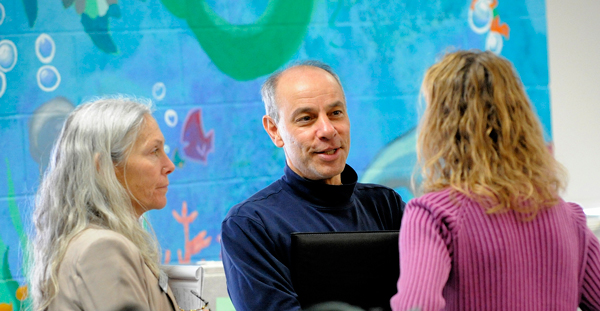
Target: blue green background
[{"x": 214, "y": 56}]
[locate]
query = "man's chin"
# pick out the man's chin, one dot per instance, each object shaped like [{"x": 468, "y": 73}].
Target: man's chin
[{"x": 330, "y": 176}]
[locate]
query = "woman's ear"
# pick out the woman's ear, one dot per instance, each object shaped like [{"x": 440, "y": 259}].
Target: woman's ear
[{"x": 97, "y": 162}]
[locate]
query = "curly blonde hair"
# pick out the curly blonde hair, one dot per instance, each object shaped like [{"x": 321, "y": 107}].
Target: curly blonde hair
[{"x": 480, "y": 136}]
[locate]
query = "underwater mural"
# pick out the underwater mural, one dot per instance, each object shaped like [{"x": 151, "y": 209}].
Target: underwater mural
[{"x": 202, "y": 62}]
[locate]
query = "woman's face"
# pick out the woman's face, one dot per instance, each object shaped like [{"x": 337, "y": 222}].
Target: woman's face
[{"x": 146, "y": 171}]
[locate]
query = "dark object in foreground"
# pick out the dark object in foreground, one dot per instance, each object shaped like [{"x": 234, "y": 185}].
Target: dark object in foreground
[{"x": 359, "y": 268}]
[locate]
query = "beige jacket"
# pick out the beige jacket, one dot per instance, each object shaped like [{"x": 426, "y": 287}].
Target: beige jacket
[{"x": 103, "y": 270}]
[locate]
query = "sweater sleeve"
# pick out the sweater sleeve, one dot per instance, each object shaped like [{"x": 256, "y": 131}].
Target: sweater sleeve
[
  {"x": 425, "y": 262},
  {"x": 256, "y": 278},
  {"x": 590, "y": 294}
]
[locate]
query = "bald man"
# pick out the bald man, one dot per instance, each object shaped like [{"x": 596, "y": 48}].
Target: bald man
[{"x": 306, "y": 115}]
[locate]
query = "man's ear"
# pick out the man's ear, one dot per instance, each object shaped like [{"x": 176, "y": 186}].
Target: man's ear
[{"x": 273, "y": 131}]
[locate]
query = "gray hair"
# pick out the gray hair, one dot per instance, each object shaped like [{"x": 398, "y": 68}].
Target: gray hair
[
  {"x": 268, "y": 89},
  {"x": 80, "y": 188}
]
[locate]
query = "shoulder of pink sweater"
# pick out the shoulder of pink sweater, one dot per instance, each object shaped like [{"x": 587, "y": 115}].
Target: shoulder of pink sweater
[
  {"x": 445, "y": 200},
  {"x": 444, "y": 205},
  {"x": 446, "y": 208},
  {"x": 576, "y": 211}
]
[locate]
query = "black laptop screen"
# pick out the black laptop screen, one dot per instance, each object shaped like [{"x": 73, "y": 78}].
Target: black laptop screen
[{"x": 358, "y": 268}]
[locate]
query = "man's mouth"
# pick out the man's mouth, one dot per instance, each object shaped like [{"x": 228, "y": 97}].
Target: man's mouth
[{"x": 329, "y": 152}]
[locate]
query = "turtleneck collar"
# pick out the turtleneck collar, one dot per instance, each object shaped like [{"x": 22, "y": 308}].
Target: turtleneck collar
[{"x": 319, "y": 193}]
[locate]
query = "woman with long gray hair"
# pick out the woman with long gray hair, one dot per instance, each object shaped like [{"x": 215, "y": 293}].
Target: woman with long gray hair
[{"x": 90, "y": 251}]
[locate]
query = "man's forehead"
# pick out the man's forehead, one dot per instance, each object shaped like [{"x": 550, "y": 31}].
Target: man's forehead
[
  {"x": 299, "y": 108},
  {"x": 304, "y": 71},
  {"x": 306, "y": 81},
  {"x": 311, "y": 99}
]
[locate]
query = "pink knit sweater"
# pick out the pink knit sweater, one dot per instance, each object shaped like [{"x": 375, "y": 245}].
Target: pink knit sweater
[{"x": 454, "y": 256}]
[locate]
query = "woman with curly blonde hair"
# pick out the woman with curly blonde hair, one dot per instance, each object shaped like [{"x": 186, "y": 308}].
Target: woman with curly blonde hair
[{"x": 491, "y": 231}]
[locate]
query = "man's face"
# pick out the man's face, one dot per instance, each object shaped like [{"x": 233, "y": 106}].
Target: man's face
[{"x": 314, "y": 129}]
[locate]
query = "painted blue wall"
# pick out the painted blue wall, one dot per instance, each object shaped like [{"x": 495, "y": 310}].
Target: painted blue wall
[{"x": 202, "y": 62}]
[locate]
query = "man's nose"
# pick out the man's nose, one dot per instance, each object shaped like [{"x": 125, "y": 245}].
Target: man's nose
[{"x": 325, "y": 128}]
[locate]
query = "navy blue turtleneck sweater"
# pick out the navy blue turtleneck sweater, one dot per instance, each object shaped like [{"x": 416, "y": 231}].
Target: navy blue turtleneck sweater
[{"x": 256, "y": 233}]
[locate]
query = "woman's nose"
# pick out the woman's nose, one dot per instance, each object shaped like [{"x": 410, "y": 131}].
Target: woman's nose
[{"x": 169, "y": 167}]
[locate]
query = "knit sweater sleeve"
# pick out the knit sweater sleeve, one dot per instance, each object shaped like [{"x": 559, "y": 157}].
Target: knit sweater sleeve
[
  {"x": 590, "y": 289},
  {"x": 425, "y": 260}
]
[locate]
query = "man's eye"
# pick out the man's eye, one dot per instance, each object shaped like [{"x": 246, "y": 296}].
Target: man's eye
[{"x": 303, "y": 119}]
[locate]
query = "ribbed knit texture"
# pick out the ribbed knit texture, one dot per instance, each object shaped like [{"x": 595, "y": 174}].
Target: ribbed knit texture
[{"x": 454, "y": 256}]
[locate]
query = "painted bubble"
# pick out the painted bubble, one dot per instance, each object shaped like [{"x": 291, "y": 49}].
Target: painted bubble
[
  {"x": 167, "y": 149},
  {"x": 45, "y": 48},
  {"x": 2, "y": 14},
  {"x": 8, "y": 55},
  {"x": 48, "y": 78},
  {"x": 480, "y": 17},
  {"x": 494, "y": 42},
  {"x": 171, "y": 118},
  {"x": 159, "y": 91},
  {"x": 2, "y": 83}
]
